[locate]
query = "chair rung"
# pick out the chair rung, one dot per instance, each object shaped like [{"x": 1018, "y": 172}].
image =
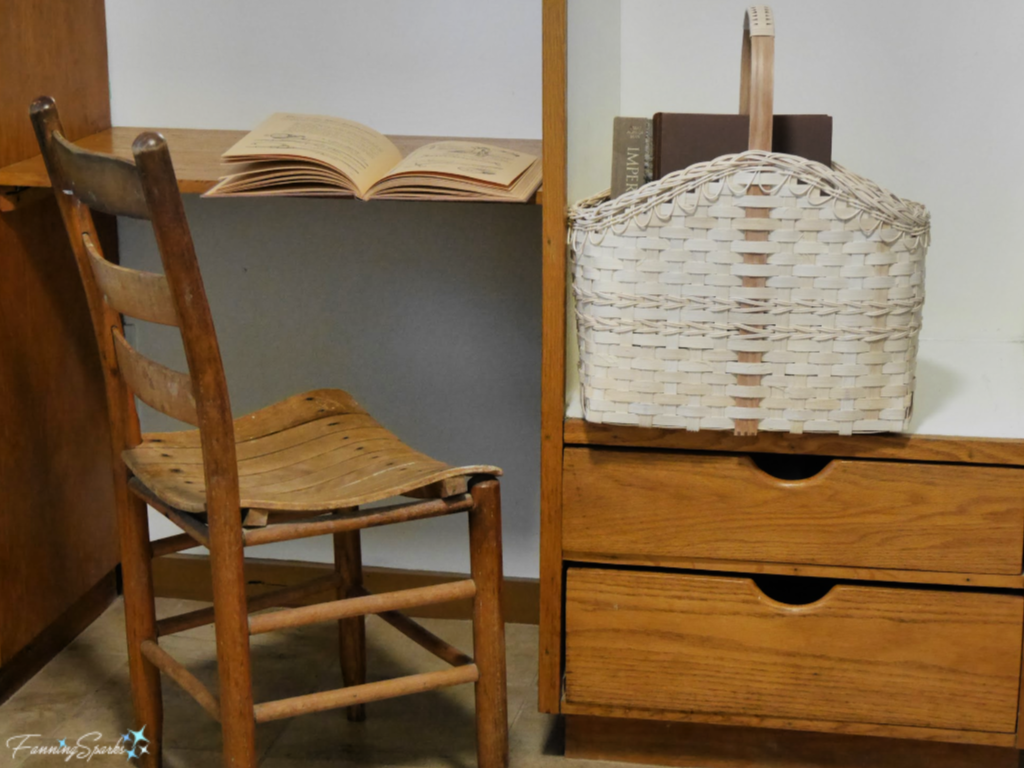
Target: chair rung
[
  {"x": 426, "y": 639},
  {"x": 362, "y": 694},
  {"x": 423, "y": 637},
  {"x": 360, "y": 606},
  {"x": 171, "y": 544},
  {"x": 352, "y": 521},
  {"x": 190, "y": 525},
  {"x": 167, "y": 664},
  {"x": 183, "y": 621}
]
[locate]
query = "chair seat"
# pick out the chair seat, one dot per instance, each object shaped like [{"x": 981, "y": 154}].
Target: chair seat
[{"x": 317, "y": 451}]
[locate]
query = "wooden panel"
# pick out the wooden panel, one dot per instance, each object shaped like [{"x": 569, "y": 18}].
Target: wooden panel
[
  {"x": 195, "y": 152},
  {"x": 552, "y": 353},
  {"x": 688, "y": 745},
  {"x": 20, "y": 668},
  {"x": 57, "y": 528},
  {"x": 876, "y": 514},
  {"x": 970, "y": 450},
  {"x": 31, "y": 32},
  {"x": 142, "y": 295},
  {"x": 706, "y": 644}
]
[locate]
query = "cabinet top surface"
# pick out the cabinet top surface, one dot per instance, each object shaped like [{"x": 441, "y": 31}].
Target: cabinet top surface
[{"x": 968, "y": 406}]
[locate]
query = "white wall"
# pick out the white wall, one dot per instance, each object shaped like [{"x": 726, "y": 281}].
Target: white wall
[
  {"x": 428, "y": 313},
  {"x": 431, "y": 67},
  {"x": 593, "y": 90},
  {"x": 927, "y": 102}
]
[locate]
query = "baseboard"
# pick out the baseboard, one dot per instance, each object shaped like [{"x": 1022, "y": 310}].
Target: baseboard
[
  {"x": 188, "y": 577},
  {"x": 23, "y": 665}
]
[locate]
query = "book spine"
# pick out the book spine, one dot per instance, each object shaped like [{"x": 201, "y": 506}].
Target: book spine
[{"x": 632, "y": 154}]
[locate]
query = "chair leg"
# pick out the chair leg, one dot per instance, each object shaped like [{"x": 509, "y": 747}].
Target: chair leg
[
  {"x": 140, "y": 623},
  {"x": 231, "y": 621},
  {"x": 488, "y": 625},
  {"x": 348, "y": 564}
]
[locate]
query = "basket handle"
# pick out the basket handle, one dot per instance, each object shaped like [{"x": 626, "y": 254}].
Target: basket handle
[{"x": 757, "y": 79}]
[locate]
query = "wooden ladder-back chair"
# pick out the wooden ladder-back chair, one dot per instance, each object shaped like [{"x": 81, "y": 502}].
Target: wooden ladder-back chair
[{"x": 299, "y": 468}]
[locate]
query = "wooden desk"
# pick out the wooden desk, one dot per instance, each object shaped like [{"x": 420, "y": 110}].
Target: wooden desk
[{"x": 196, "y": 155}]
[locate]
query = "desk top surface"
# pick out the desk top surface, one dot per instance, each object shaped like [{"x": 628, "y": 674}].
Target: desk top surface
[{"x": 196, "y": 154}]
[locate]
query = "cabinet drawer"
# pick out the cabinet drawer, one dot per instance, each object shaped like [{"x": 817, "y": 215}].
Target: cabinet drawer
[
  {"x": 873, "y": 514},
  {"x": 860, "y": 654}
]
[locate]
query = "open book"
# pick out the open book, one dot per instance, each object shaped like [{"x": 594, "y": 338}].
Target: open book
[{"x": 300, "y": 155}]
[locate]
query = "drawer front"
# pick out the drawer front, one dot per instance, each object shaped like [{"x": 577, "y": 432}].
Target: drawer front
[
  {"x": 874, "y": 514},
  {"x": 861, "y": 654}
]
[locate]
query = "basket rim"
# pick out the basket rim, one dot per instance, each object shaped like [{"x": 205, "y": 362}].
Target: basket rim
[{"x": 837, "y": 184}]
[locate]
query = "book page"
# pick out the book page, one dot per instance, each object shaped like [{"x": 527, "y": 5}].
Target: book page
[
  {"x": 469, "y": 159},
  {"x": 410, "y": 186},
  {"x": 357, "y": 151}
]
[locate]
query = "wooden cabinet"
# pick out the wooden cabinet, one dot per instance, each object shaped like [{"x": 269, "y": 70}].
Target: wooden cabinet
[
  {"x": 784, "y": 600},
  {"x": 787, "y": 591},
  {"x": 58, "y": 541}
]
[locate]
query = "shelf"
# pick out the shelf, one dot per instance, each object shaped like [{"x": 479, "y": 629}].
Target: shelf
[
  {"x": 968, "y": 407},
  {"x": 196, "y": 155}
]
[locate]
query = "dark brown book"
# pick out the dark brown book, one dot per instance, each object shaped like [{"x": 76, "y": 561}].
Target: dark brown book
[{"x": 680, "y": 139}]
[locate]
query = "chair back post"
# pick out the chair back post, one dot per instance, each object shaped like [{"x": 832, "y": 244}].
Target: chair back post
[
  {"x": 206, "y": 370},
  {"x": 125, "y": 433},
  {"x": 124, "y": 420},
  {"x": 217, "y": 436}
]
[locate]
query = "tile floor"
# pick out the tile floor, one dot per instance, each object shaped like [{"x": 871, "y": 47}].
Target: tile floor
[{"x": 85, "y": 690}]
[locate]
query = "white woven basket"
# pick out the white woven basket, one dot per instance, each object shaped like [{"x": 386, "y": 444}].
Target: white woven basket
[{"x": 758, "y": 291}]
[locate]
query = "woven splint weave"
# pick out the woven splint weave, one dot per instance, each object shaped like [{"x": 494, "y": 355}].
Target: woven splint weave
[{"x": 667, "y": 325}]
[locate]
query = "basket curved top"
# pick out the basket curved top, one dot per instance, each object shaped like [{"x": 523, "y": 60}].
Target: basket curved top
[{"x": 745, "y": 170}]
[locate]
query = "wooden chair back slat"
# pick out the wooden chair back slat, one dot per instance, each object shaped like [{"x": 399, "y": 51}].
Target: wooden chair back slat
[
  {"x": 163, "y": 388},
  {"x": 132, "y": 292},
  {"x": 86, "y": 182},
  {"x": 106, "y": 184}
]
